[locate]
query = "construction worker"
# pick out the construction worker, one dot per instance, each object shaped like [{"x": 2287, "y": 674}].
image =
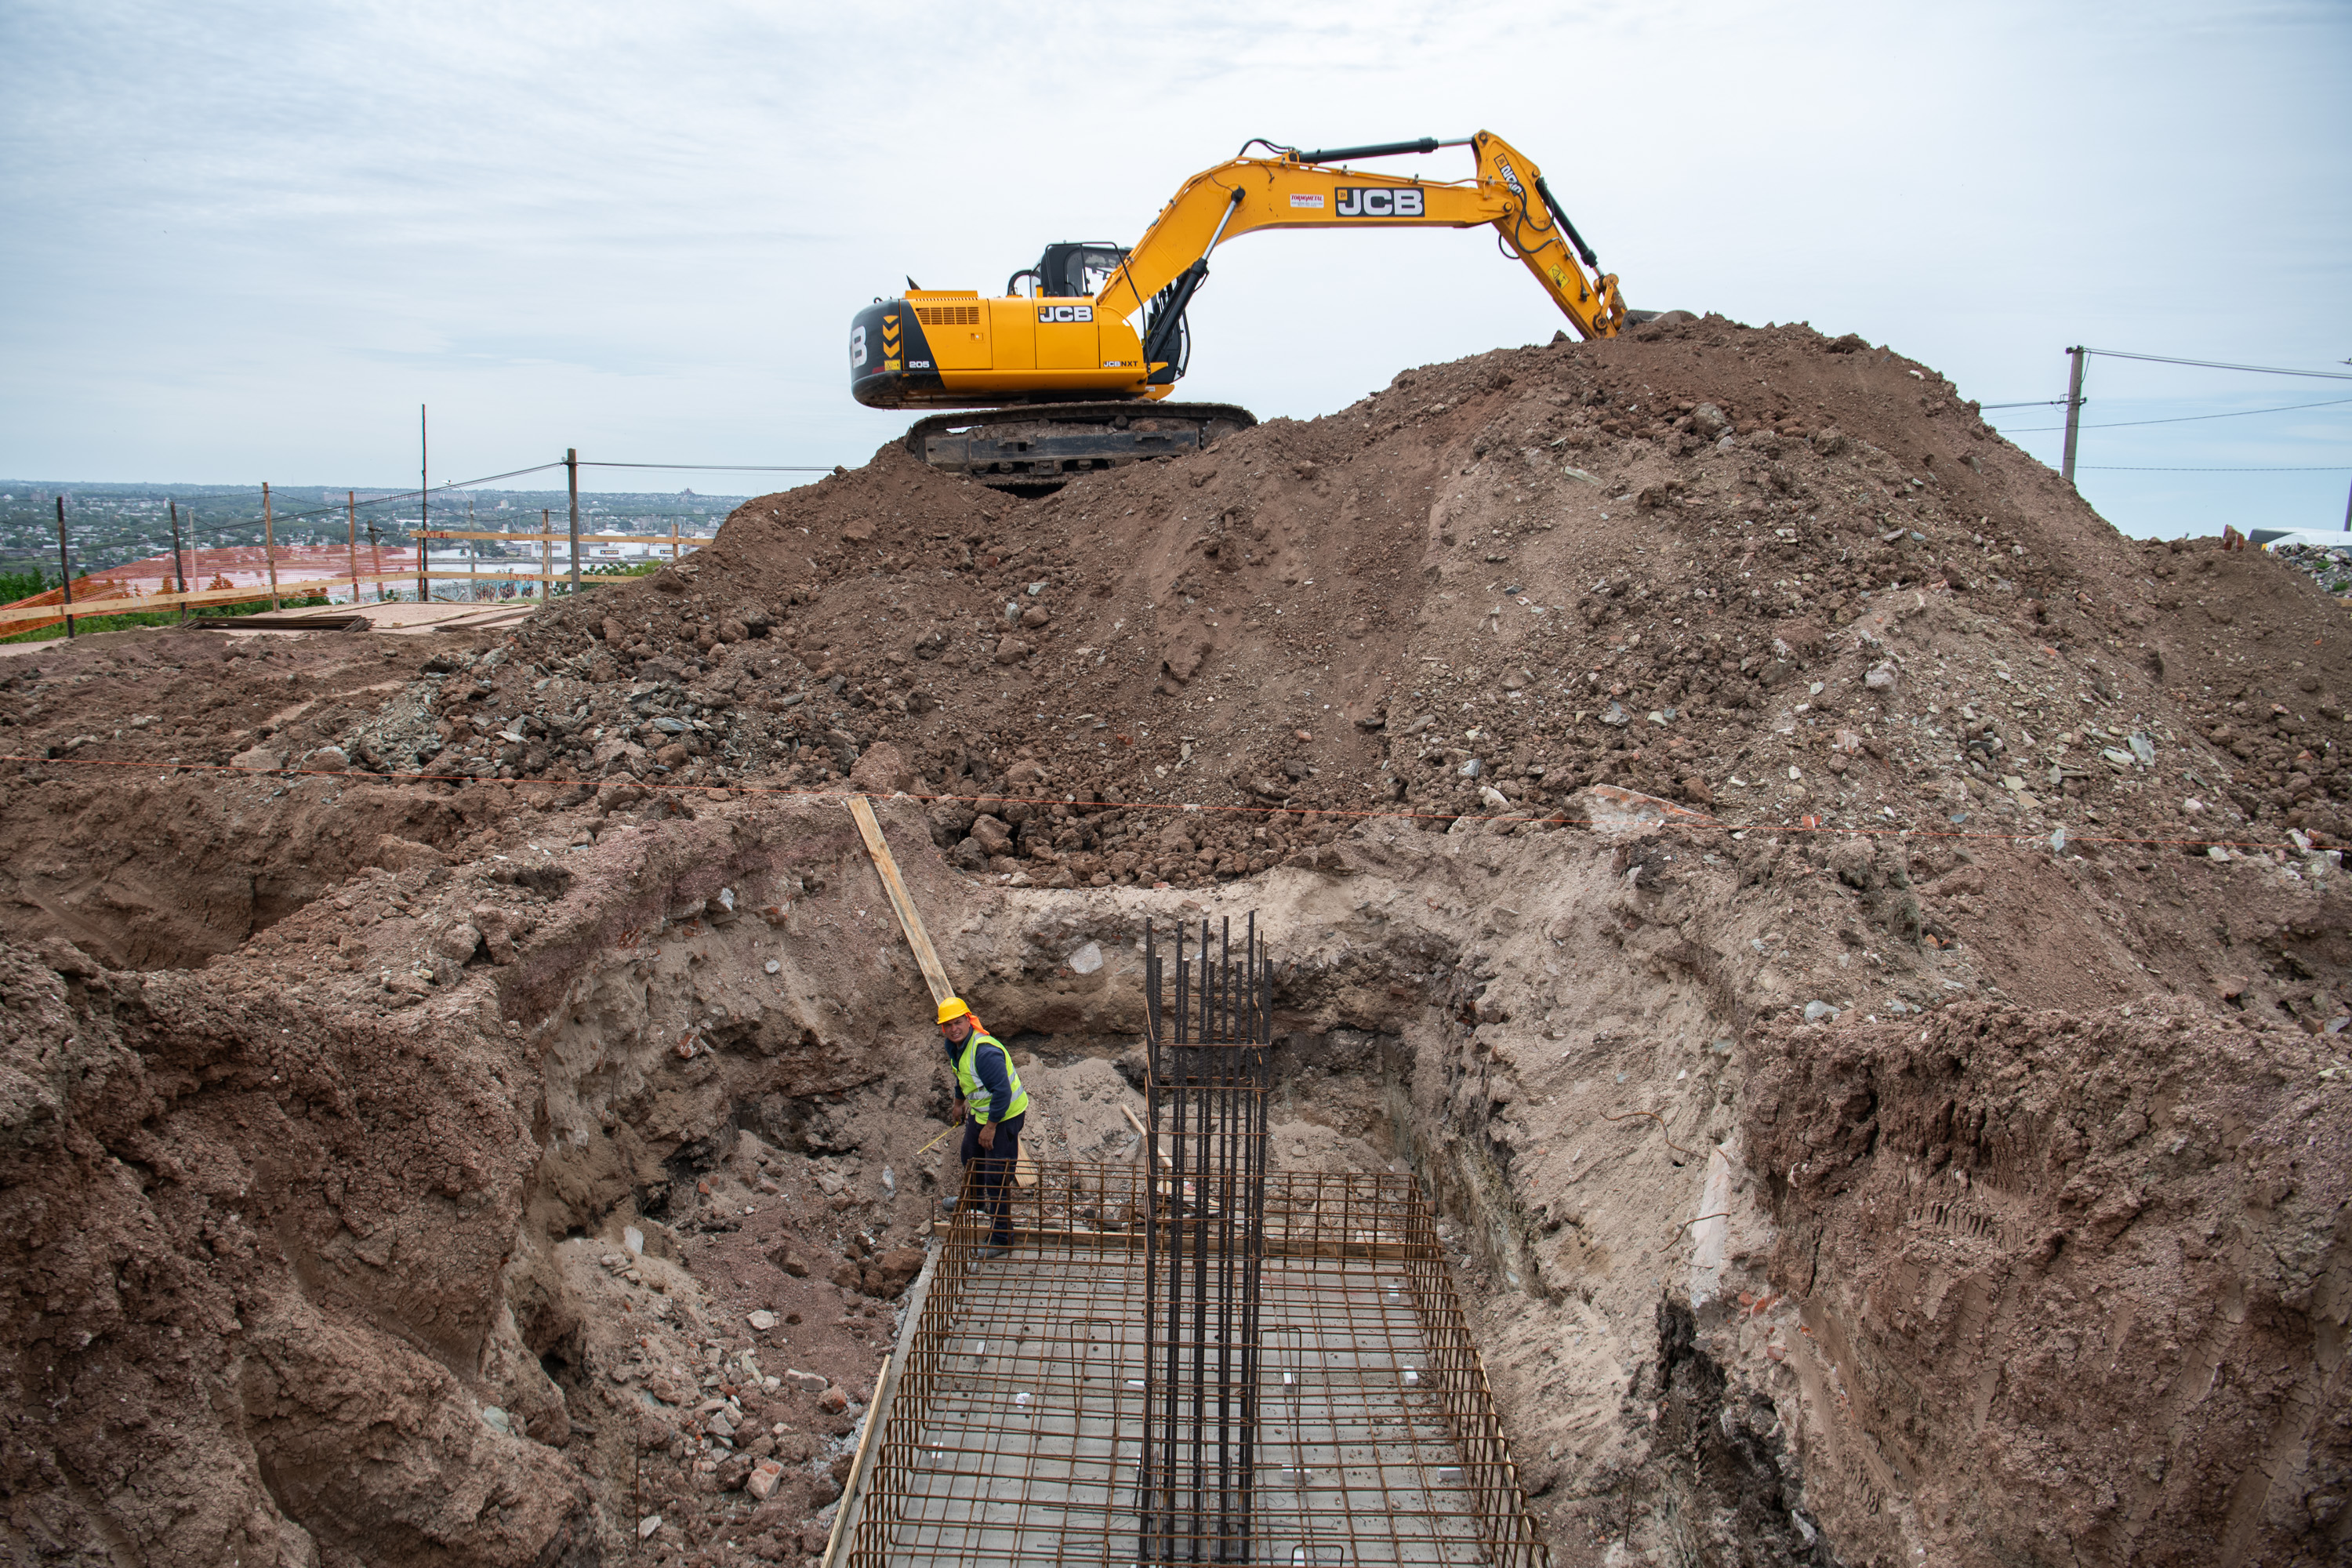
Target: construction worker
[{"x": 986, "y": 1085}]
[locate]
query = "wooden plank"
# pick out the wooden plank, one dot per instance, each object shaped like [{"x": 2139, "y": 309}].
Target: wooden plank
[
  {"x": 686, "y": 541},
  {"x": 143, "y": 603},
  {"x": 895, "y": 889},
  {"x": 1145, "y": 1132},
  {"x": 515, "y": 576},
  {"x": 935, "y": 974},
  {"x": 857, "y": 1465},
  {"x": 877, "y": 1410}
]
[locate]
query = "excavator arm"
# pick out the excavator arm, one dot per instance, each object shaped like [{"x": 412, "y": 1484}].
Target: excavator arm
[
  {"x": 1316, "y": 190},
  {"x": 1074, "y": 376}
]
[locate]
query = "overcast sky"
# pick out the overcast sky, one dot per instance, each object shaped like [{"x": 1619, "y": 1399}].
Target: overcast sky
[{"x": 244, "y": 241}]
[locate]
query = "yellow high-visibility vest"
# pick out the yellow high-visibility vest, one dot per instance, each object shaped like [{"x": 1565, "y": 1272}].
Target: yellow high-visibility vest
[{"x": 975, "y": 1093}]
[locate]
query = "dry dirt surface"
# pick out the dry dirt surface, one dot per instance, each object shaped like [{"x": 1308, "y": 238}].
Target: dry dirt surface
[{"x": 464, "y": 1098}]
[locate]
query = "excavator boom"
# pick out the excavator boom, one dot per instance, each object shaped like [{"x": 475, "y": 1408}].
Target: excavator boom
[
  {"x": 1303, "y": 190},
  {"x": 1105, "y": 327}
]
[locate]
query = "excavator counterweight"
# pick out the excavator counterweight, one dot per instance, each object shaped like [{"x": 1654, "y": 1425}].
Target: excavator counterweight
[{"x": 1068, "y": 370}]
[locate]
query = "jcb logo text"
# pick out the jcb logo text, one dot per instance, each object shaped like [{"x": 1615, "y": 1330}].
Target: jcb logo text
[
  {"x": 1369, "y": 201},
  {"x": 1065, "y": 312}
]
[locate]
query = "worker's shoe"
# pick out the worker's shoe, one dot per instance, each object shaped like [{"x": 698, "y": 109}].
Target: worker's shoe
[{"x": 992, "y": 1253}]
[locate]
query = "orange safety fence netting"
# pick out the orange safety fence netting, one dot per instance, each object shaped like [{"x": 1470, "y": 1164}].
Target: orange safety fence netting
[{"x": 218, "y": 575}]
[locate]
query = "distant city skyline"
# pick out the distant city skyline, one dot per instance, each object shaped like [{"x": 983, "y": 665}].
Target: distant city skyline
[{"x": 111, "y": 524}]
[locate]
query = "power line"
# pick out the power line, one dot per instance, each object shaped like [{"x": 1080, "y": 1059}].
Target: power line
[
  {"x": 2037, "y": 403},
  {"x": 338, "y": 511},
  {"x": 2216, "y": 364},
  {"x": 2185, "y": 418},
  {"x": 411, "y": 495}
]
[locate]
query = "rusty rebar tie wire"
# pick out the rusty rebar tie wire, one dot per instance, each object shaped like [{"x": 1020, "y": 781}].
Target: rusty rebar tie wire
[{"x": 1661, "y": 1120}]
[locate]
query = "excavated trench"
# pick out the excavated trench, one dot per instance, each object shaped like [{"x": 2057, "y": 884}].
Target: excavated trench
[
  {"x": 1428, "y": 1094},
  {"x": 483, "y": 1171},
  {"x": 517, "y": 1065},
  {"x": 660, "y": 1070}
]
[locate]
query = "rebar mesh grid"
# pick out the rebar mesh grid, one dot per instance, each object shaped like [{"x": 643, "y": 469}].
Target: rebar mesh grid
[
  {"x": 1208, "y": 1031},
  {"x": 1016, "y": 1434}
]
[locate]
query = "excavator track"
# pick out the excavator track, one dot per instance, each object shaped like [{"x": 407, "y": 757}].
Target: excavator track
[{"x": 1038, "y": 449}]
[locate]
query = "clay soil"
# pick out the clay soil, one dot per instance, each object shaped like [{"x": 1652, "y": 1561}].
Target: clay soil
[{"x": 1855, "y": 946}]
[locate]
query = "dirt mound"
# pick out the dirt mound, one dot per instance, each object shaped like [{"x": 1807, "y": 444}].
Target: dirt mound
[
  {"x": 1773, "y": 575},
  {"x": 1764, "y": 571},
  {"x": 404, "y": 1130}
]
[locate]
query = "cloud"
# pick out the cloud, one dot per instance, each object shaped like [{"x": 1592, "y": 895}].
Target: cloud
[{"x": 251, "y": 237}]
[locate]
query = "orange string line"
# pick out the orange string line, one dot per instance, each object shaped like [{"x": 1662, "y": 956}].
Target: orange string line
[{"x": 1695, "y": 821}]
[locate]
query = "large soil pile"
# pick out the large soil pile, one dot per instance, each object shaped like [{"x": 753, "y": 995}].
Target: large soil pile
[
  {"x": 392, "y": 1167},
  {"x": 1630, "y": 561}
]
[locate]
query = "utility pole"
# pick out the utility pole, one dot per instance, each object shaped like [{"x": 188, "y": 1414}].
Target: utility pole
[
  {"x": 65, "y": 565},
  {"x": 571, "y": 477},
  {"x": 424, "y": 509},
  {"x": 269, "y": 545},
  {"x": 179, "y": 563},
  {"x": 352, "y": 545},
  {"x": 2074, "y": 411}
]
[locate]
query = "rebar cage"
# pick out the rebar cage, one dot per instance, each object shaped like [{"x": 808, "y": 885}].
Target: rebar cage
[
  {"x": 1209, "y": 1028},
  {"x": 1191, "y": 1357}
]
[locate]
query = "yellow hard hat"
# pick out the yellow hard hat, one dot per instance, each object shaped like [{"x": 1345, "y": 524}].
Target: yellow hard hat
[{"x": 953, "y": 1007}]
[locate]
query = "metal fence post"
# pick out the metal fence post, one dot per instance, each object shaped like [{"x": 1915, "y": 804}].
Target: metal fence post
[
  {"x": 65, "y": 565},
  {"x": 269, "y": 545},
  {"x": 423, "y": 510},
  {"x": 179, "y": 563},
  {"x": 572, "y": 478}
]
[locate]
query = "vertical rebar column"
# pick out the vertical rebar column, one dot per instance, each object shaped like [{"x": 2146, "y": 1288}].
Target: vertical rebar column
[{"x": 1207, "y": 1030}]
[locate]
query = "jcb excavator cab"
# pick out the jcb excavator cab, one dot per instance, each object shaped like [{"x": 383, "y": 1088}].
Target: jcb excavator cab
[
  {"x": 1071, "y": 270},
  {"x": 1078, "y": 269}
]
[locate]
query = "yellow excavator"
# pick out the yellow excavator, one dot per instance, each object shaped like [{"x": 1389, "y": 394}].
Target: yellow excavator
[{"x": 1071, "y": 366}]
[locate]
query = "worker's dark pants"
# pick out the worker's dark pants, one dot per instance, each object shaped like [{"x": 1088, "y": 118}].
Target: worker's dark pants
[{"x": 995, "y": 1173}]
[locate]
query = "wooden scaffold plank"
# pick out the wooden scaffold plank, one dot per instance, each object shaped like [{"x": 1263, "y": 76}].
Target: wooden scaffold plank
[{"x": 911, "y": 921}]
